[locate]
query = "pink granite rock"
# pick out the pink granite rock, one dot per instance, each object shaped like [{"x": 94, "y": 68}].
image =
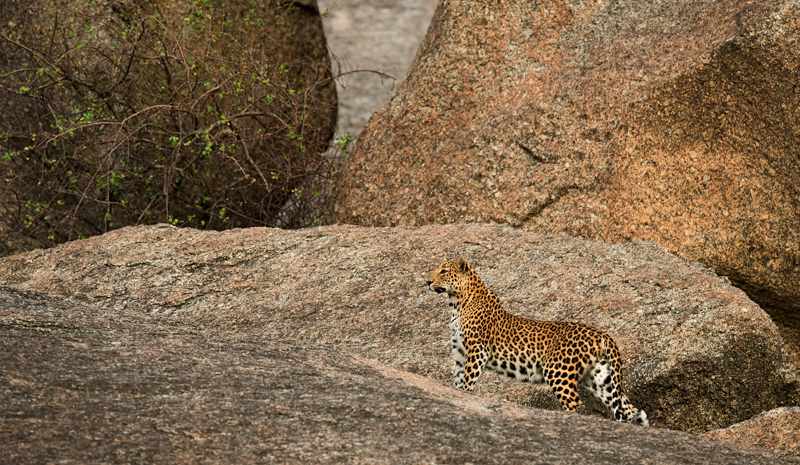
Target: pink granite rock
[{"x": 697, "y": 353}]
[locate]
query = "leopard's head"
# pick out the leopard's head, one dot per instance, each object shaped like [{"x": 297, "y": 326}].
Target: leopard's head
[{"x": 449, "y": 277}]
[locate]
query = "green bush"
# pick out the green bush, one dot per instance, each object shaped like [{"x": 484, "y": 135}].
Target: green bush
[{"x": 207, "y": 124}]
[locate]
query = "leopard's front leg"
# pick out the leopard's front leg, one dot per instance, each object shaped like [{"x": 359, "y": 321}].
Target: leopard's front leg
[{"x": 476, "y": 360}]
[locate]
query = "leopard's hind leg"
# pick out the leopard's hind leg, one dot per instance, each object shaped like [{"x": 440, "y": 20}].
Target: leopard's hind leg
[
  {"x": 603, "y": 380},
  {"x": 565, "y": 387}
]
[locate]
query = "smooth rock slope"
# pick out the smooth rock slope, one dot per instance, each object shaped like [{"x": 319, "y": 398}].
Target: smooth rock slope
[{"x": 93, "y": 384}]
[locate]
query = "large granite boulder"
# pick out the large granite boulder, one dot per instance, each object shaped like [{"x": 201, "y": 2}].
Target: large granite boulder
[
  {"x": 697, "y": 353},
  {"x": 93, "y": 384},
  {"x": 674, "y": 121}
]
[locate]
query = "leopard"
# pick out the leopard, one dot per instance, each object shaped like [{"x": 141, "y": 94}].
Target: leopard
[{"x": 484, "y": 336}]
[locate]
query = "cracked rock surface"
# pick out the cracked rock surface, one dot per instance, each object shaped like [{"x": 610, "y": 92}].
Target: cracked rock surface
[
  {"x": 674, "y": 122},
  {"x": 697, "y": 353}
]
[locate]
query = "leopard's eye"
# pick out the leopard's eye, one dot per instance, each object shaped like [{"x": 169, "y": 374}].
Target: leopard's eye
[{"x": 443, "y": 272}]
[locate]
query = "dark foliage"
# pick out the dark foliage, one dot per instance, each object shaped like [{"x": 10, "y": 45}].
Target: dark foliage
[{"x": 208, "y": 124}]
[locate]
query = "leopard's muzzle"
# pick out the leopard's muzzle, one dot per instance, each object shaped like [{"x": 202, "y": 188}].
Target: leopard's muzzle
[{"x": 438, "y": 290}]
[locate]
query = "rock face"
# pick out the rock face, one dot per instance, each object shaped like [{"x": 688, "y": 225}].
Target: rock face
[
  {"x": 93, "y": 384},
  {"x": 777, "y": 430},
  {"x": 675, "y": 122},
  {"x": 697, "y": 353}
]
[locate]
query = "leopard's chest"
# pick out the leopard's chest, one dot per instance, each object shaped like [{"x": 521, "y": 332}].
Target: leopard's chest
[{"x": 458, "y": 347}]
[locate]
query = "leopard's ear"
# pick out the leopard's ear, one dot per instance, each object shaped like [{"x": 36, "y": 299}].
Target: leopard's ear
[{"x": 461, "y": 265}]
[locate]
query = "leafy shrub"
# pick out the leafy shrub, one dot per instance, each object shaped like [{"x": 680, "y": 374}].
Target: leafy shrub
[{"x": 138, "y": 118}]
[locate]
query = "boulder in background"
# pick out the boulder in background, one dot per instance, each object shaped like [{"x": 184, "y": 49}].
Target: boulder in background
[{"x": 674, "y": 122}]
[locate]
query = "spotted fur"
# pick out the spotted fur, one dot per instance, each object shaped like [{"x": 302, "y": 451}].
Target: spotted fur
[{"x": 561, "y": 354}]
